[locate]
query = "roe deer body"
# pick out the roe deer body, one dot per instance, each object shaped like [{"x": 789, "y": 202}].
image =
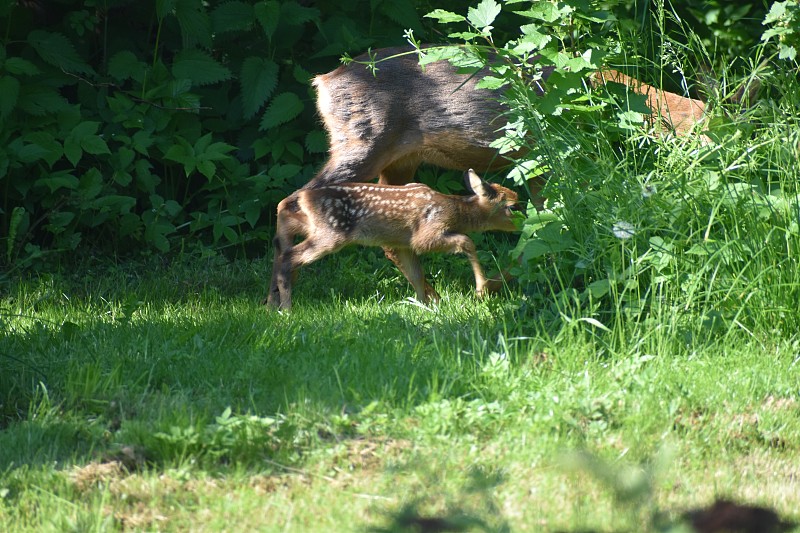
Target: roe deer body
[
  {"x": 411, "y": 220},
  {"x": 386, "y": 125}
]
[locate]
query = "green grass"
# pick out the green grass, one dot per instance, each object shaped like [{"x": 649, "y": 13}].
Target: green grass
[{"x": 160, "y": 396}]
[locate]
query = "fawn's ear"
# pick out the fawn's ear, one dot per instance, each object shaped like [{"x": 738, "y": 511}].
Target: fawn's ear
[
  {"x": 477, "y": 185},
  {"x": 473, "y": 182}
]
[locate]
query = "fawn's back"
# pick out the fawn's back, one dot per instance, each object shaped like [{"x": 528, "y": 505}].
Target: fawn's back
[{"x": 401, "y": 216}]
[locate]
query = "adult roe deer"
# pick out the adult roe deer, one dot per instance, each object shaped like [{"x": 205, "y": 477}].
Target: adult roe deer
[
  {"x": 386, "y": 125},
  {"x": 411, "y": 220}
]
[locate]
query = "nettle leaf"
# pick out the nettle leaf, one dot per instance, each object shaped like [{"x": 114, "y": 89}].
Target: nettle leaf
[
  {"x": 282, "y": 109},
  {"x": 200, "y": 67},
  {"x": 17, "y": 65},
  {"x": 294, "y": 14},
  {"x": 164, "y": 8},
  {"x": 125, "y": 65},
  {"x": 403, "y": 13},
  {"x": 194, "y": 22},
  {"x": 445, "y": 16},
  {"x": 258, "y": 78},
  {"x": 317, "y": 142},
  {"x": 38, "y": 100},
  {"x": 57, "y": 50},
  {"x": 268, "y": 13},
  {"x": 9, "y": 92},
  {"x": 483, "y": 16},
  {"x": 232, "y": 16}
]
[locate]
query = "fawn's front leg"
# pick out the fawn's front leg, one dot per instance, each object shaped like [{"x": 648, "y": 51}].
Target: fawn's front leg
[{"x": 457, "y": 243}]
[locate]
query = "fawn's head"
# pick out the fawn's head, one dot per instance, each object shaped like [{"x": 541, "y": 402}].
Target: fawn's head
[{"x": 497, "y": 203}]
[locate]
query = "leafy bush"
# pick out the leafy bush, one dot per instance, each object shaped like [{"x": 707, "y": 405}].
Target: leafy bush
[
  {"x": 130, "y": 125},
  {"x": 697, "y": 231}
]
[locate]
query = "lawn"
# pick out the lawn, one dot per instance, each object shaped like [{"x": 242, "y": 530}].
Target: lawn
[{"x": 161, "y": 395}]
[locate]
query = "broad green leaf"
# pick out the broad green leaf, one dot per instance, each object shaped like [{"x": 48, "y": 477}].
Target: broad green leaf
[
  {"x": 206, "y": 168},
  {"x": 9, "y": 93},
  {"x": 39, "y": 100},
  {"x": 483, "y": 16},
  {"x": 294, "y": 14},
  {"x": 94, "y": 144},
  {"x": 17, "y": 65},
  {"x": 544, "y": 11},
  {"x": 91, "y": 184},
  {"x": 125, "y": 65},
  {"x": 217, "y": 151},
  {"x": 787, "y": 52},
  {"x": 57, "y": 50},
  {"x": 59, "y": 180},
  {"x": 268, "y": 13},
  {"x": 73, "y": 150},
  {"x": 194, "y": 22},
  {"x": 445, "y": 16},
  {"x": 114, "y": 203},
  {"x": 281, "y": 173},
  {"x": 232, "y": 16},
  {"x": 317, "y": 142},
  {"x": 403, "y": 13},
  {"x": 30, "y": 153},
  {"x": 531, "y": 35},
  {"x": 200, "y": 67},
  {"x": 258, "y": 78},
  {"x": 50, "y": 148},
  {"x": 164, "y": 8},
  {"x": 776, "y": 12},
  {"x": 283, "y": 108},
  {"x": 464, "y": 35},
  {"x": 87, "y": 127},
  {"x": 490, "y": 82}
]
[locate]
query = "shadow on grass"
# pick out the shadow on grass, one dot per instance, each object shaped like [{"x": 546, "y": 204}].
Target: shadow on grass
[{"x": 107, "y": 358}]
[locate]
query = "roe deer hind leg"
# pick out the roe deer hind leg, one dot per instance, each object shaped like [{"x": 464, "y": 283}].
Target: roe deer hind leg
[
  {"x": 304, "y": 253},
  {"x": 291, "y": 222}
]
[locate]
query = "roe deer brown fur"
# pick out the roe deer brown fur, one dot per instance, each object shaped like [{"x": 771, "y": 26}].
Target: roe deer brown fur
[
  {"x": 386, "y": 125},
  {"x": 411, "y": 220}
]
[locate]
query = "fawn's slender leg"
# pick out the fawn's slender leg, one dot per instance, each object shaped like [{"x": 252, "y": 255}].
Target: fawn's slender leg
[
  {"x": 401, "y": 172},
  {"x": 290, "y": 222},
  {"x": 409, "y": 264},
  {"x": 456, "y": 243},
  {"x": 304, "y": 253}
]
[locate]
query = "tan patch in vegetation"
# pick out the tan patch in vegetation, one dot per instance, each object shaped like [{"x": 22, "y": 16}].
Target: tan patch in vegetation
[
  {"x": 93, "y": 475},
  {"x": 139, "y": 517},
  {"x": 771, "y": 403},
  {"x": 369, "y": 454}
]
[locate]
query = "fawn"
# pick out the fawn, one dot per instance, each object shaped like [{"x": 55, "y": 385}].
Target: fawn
[{"x": 410, "y": 220}]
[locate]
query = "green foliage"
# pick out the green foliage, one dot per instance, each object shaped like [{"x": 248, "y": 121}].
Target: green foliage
[
  {"x": 140, "y": 125},
  {"x": 635, "y": 221}
]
